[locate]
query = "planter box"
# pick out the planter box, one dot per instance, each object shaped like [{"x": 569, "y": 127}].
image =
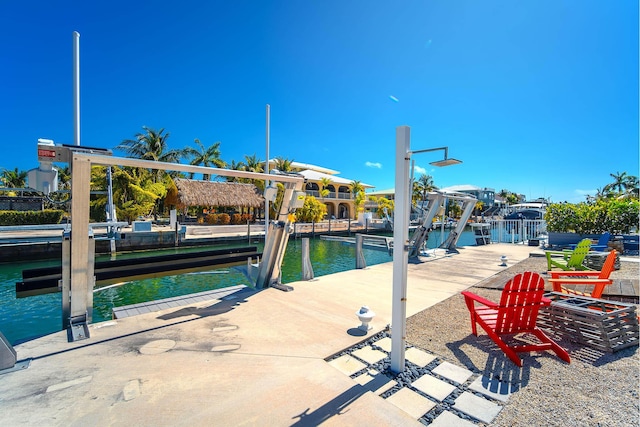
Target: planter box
[{"x": 562, "y": 240}]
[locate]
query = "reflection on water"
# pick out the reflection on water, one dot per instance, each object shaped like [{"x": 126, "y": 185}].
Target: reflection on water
[{"x": 25, "y": 318}]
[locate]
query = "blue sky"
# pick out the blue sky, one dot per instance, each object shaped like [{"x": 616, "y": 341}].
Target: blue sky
[{"x": 537, "y": 97}]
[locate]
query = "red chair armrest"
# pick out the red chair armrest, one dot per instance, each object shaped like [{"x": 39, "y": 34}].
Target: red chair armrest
[
  {"x": 580, "y": 281},
  {"x": 477, "y": 298},
  {"x": 557, "y": 274}
]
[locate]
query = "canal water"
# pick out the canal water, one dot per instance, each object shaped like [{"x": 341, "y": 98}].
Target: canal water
[{"x": 22, "y": 319}]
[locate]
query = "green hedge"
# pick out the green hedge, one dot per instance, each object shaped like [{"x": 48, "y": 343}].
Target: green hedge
[
  {"x": 47, "y": 216},
  {"x": 614, "y": 216}
]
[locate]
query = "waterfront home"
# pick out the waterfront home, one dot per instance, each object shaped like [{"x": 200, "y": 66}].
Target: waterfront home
[{"x": 339, "y": 199}]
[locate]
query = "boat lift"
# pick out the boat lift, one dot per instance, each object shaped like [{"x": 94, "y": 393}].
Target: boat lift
[
  {"x": 78, "y": 259},
  {"x": 436, "y": 200}
]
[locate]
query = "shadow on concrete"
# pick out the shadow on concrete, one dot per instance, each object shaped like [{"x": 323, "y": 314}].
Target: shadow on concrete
[
  {"x": 356, "y": 332},
  {"x": 336, "y": 406},
  {"x": 224, "y": 305}
]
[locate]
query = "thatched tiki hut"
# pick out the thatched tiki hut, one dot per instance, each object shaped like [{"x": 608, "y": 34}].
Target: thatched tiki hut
[{"x": 211, "y": 194}]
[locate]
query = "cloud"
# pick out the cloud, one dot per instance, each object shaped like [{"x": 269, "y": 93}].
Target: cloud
[
  {"x": 393, "y": 98},
  {"x": 419, "y": 170},
  {"x": 373, "y": 165},
  {"x": 586, "y": 192}
]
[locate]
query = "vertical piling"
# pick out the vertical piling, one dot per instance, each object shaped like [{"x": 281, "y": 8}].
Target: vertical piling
[
  {"x": 360, "y": 261},
  {"x": 307, "y": 268}
]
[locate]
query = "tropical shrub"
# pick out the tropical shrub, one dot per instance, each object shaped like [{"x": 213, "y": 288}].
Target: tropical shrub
[
  {"x": 311, "y": 211},
  {"x": 224, "y": 219},
  {"x": 612, "y": 215},
  {"x": 47, "y": 216},
  {"x": 383, "y": 203},
  {"x": 236, "y": 219},
  {"x": 212, "y": 219}
]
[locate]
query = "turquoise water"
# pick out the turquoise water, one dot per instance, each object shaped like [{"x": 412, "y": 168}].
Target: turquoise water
[{"x": 25, "y": 318}]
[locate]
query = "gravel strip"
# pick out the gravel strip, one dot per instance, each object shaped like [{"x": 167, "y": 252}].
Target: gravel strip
[{"x": 596, "y": 389}]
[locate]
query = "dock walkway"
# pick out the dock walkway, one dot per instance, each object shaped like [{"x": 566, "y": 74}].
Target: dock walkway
[{"x": 249, "y": 358}]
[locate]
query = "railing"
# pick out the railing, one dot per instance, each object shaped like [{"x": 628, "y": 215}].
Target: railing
[
  {"x": 517, "y": 230},
  {"x": 331, "y": 195},
  {"x": 328, "y": 227}
]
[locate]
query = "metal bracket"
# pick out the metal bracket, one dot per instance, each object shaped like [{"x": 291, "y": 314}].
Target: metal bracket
[
  {"x": 19, "y": 366},
  {"x": 281, "y": 287},
  {"x": 78, "y": 329}
]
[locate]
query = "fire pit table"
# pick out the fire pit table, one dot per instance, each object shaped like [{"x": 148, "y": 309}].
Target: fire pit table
[{"x": 598, "y": 323}]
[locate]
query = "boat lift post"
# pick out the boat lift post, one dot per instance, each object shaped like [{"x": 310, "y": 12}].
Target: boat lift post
[
  {"x": 468, "y": 204},
  {"x": 421, "y": 233},
  {"x": 77, "y": 301}
]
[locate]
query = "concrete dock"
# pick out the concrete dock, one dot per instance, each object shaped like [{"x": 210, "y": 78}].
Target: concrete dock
[{"x": 249, "y": 358}]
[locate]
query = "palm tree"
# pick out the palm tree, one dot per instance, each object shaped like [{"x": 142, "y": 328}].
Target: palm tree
[
  {"x": 253, "y": 164},
  {"x": 624, "y": 185},
  {"x": 13, "y": 178},
  {"x": 324, "y": 183},
  {"x": 619, "y": 184},
  {"x": 151, "y": 145},
  {"x": 64, "y": 178},
  {"x": 426, "y": 185},
  {"x": 632, "y": 187},
  {"x": 236, "y": 166},
  {"x": 283, "y": 165},
  {"x": 207, "y": 157},
  {"x": 357, "y": 189}
]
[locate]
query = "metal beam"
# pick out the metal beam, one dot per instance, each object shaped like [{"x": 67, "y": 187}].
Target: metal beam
[
  {"x": 98, "y": 159},
  {"x": 79, "y": 286}
]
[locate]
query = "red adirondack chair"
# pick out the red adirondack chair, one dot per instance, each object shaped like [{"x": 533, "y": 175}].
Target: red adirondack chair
[
  {"x": 593, "y": 282},
  {"x": 516, "y": 313}
]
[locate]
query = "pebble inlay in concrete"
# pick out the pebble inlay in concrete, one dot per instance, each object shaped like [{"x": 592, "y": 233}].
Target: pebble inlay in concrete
[{"x": 432, "y": 390}]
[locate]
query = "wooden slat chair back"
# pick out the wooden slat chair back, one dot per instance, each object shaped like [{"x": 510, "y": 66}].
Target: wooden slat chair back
[
  {"x": 585, "y": 283},
  {"x": 516, "y": 313},
  {"x": 521, "y": 299},
  {"x": 569, "y": 260}
]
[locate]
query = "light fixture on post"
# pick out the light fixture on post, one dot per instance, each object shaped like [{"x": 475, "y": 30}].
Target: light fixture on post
[
  {"x": 440, "y": 163},
  {"x": 401, "y": 242}
]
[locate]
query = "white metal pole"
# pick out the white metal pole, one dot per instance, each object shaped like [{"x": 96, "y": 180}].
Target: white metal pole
[
  {"x": 76, "y": 87},
  {"x": 400, "y": 249},
  {"x": 266, "y": 181}
]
